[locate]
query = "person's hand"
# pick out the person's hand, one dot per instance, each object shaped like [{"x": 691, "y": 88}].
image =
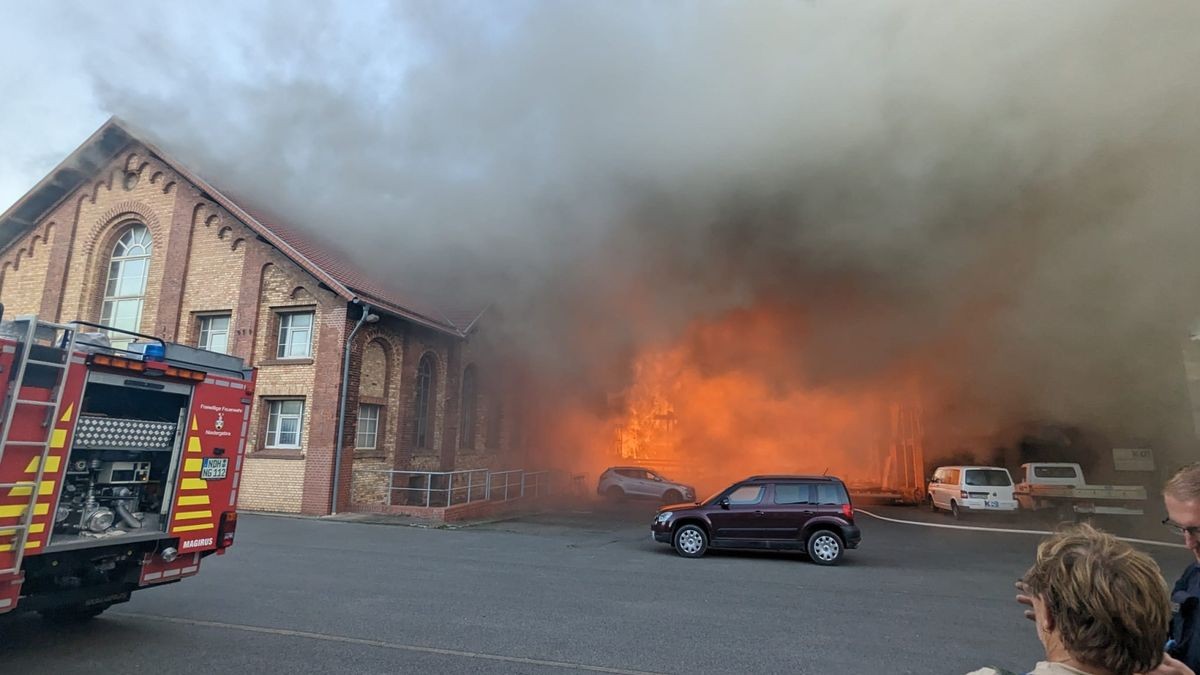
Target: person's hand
[
  {"x": 1171, "y": 666},
  {"x": 1024, "y": 597}
]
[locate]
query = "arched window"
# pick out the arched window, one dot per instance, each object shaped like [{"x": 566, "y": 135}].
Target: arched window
[
  {"x": 426, "y": 374},
  {"x": 495, "y": 415},
  {"x": 126, "y": 285},
  {"x": 466, "y": 428}
]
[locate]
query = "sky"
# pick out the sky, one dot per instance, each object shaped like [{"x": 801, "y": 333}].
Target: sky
[{"x": 1009, "y": 185}]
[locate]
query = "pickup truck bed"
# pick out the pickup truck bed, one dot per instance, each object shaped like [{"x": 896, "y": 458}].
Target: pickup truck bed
[{"x": 1086, "y": 492}]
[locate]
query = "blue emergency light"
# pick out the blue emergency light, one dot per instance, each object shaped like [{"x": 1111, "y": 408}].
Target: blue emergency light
[{"x": 154, "y": 351}]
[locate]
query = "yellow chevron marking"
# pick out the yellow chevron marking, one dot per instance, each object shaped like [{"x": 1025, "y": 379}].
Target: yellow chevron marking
[
  {"x": 25, "y": 490},
  {"x": 193, "y": 444},
  {"x": 193, "y": 515},
  {"x": 58, "y": 439},
  {"x": 196, "y": 500},
  {"x": 28, "y": 544},
  {"x": 33, "y": 529},
  {"x": 16, "y": 510},
  {"x": 66, "y": 417},
  {"x": 192, "y": 464},
  {"x": 191, "y": 528},
  {"x": 194, "y": 425},
  {"x": 52, "y": 464},
  {"x": 193, "y": 484}
]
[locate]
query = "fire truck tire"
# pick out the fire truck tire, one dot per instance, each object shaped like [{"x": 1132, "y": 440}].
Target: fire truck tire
[{"x": 71, "y": 614}]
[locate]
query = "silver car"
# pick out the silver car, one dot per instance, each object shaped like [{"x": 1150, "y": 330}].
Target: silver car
[{"x": 635, "y": 482}]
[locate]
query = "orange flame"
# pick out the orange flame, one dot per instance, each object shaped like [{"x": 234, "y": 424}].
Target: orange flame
[{"x": 725, "y": 402}]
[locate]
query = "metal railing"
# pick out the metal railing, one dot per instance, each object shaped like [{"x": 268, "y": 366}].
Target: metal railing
[
  {"x": 506, "y": 485},
  {"x": 442, "y": 489},
  {"x": 434, "y": 488},
  {"x": 535, "y": 484}
]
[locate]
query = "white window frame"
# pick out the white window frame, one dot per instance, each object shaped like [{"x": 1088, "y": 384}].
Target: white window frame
[
  {"x": 275, "y": 418},
  {"x": 137, "y": 238},
  {"x": 204, "y": 331},
  {"x": 283, "y": 342},
  {"x": 368, "y": 438}
]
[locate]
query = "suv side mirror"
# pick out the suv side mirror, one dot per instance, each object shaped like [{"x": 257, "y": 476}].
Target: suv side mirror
[{"x": 724, "y": 503}]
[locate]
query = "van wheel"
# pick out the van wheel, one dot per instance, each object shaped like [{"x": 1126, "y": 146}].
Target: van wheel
[
  {"x": 954, "y": 510},
  {"x": 71, "y": 614},
  {"x": 672, "y": 497},
  {"x": 691, "y": 541},
  {"x": 930, "y": 504},
  {"x": 824, "y": 547}
]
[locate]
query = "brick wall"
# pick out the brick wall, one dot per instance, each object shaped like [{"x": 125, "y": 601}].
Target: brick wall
[
  {"x": 204, "y": 260},
  {"x": 285, "y": 288},
  {"x": 368, "y": 486},
  {"x": 213, "y": 279},
  {"x": 420, "y": 342},
  {"x": 375, "y": 377},
  {"x": 272, "y": 485},
  {"x": 332, "y": 331},
  {"x": 134, "y": 189},
  {"x": 23, "y": 270}
]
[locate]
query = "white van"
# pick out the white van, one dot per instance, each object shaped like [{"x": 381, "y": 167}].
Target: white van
[{"x": 971, "y": 489}]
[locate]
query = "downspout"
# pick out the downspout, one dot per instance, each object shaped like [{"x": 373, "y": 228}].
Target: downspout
[{"x": 366, "y": 317}]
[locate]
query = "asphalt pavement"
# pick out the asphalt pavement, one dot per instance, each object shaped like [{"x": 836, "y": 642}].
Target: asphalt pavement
[{"x": 578, "y": 590}]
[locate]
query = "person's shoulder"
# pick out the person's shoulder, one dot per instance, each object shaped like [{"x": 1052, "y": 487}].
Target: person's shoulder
[{"x": 1190, "y": 574}]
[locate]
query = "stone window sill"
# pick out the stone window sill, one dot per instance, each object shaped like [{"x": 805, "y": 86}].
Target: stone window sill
[
  {"x": 274, "y": 453},
  {"x": 286, "y": 362}
]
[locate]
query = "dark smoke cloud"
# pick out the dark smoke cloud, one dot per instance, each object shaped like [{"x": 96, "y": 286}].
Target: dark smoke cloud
[{"x": 1004, "y": 193}]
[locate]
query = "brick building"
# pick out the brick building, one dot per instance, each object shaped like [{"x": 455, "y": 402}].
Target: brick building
[{"x": 122, "y": 234}]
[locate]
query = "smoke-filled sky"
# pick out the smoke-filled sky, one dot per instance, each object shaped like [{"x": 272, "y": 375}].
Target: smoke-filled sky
[{"x": 1001, "y": 195}]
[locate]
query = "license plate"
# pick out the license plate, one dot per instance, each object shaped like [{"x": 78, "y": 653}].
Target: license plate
[
  {"x": 991, "y": 504},
  {"x": 214, "y": 468}
]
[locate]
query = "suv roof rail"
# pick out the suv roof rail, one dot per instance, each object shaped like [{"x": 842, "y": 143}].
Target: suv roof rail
[{"x": 794, "y": 477}]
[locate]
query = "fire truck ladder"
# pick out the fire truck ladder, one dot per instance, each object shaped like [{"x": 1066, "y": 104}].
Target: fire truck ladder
[{"x": 20, "y": 533}]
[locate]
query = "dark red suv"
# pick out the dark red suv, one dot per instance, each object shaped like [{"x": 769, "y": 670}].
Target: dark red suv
[{"x": 810, "y": 513}]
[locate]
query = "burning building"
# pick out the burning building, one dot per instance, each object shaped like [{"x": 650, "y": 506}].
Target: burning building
[{"x": 750, "y": 236}]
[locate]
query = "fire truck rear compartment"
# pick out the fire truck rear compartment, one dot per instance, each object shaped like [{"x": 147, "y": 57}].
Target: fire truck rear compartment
[{"x": 120, "y": 473}]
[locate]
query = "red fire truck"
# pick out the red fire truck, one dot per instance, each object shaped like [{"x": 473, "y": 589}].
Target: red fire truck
[{"x": 120, "y": 456}]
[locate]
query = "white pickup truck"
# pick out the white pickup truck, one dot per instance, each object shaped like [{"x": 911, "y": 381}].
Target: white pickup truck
[{"x": 1060, "y": 486}]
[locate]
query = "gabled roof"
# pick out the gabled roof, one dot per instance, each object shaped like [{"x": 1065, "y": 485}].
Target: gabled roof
[{"x": 329, "y": 266}]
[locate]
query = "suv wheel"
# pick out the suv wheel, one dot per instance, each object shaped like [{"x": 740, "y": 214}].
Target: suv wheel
[
  {"x": 614, "y": 493},
  {"x": 672, "y": 497},
  {"x": 824, "y": 547},
  {"x": 691, "y": 541}
]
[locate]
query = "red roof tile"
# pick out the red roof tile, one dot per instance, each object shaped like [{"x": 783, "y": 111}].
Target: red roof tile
[{"x": 332, "y": 266}]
